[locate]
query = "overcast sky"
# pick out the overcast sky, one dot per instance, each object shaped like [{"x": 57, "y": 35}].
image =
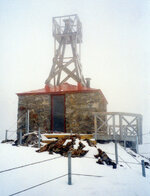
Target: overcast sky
[{"x": 115, "y": 51}]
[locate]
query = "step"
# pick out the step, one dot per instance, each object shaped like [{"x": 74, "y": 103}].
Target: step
[
  {"x": 83, "y": 136},
  {"x": 58, "y": 136}
]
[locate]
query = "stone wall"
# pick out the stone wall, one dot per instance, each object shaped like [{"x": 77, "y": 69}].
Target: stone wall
[
  {"x": 79, "y": 111},
  {"x": 39, "y": 106},
  {"x": 79, "y": 108}
]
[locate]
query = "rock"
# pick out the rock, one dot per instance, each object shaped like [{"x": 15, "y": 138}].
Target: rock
[
  {"x": 147, "y": 165},
  {"x": 114, "y": 165},
  {"x": 7, "y": 141},
  {"x": 63, "y": 145},
  {"x": 78, "y": 153},
  {"x": 81, "y": 146},
  {"x": 100, "y": 161},
  {"x": 28, "y": 139},
  {"x": 104, "y": 158}
]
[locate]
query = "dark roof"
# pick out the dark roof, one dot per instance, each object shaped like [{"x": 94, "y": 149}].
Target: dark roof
[{"x": 62, "y": 89}]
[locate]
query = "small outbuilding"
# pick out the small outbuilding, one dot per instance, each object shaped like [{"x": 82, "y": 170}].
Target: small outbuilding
[{"x": 64, "y": 108}]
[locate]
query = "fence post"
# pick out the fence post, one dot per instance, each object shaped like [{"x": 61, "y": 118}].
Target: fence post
[
  {"x": 39, "y": 137},
  {"x": 143, "y": 168},
  {"x": 116, "y": 152},
  {"x": 28, "y": 122},
  {"x": 69, "y": 169},
  {"x": 6, "y": 134},
  {"x": 20, "y": 137},
  {"x": 115, "y": 138}
]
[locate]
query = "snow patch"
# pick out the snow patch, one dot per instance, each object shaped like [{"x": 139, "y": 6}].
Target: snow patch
[
  {"x": 66, "y": 142},
  {"x": 122, "y": 181}
]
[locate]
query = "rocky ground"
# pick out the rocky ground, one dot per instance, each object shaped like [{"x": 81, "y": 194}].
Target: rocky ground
[
  {"x": 62, "y": 146},
  {"x": 77, "y": 147}
]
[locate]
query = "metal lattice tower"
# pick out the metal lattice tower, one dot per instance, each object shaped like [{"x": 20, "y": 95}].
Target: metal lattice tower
[{"x": 67, "y": 32}]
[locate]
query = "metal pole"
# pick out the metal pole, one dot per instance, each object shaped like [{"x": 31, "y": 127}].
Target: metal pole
[
  {"x": 143, "y": 168},
  {"x": 6, "y": 134},
  {"x": 116, "y": 147},
  {"x": 69, "y": 169},
  {"x": 116, "y": 152},
  {"x": 20, "y": 137},
  {"x": 39, "y": 135},
  {"x": 28, "y": 122}
]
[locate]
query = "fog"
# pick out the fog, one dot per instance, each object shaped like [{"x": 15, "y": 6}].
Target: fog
[{"x": 115, "y": 51}]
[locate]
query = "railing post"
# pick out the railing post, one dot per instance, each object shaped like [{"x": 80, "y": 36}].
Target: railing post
[
  {"x": 69, "y": 169},
  {"x": 120, "y": 126},
  {"x": 6, "y": 135},
  {"x": 115, "y": 138},
  {"x": 39, "y": 137},
  {"x": 125, "y": 135},
  {"x": 143, "y": 168},
  {"x": 20, "y": 137}
]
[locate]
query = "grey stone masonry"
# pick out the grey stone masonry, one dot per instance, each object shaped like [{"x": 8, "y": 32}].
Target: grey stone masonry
[
  {"x": 79, "y": 111},
  {"x": 79, "y": 108},
  {"x": 39, "y": 110}
]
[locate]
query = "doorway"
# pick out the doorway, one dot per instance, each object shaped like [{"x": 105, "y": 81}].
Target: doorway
[{"x": 58, "y": 113}]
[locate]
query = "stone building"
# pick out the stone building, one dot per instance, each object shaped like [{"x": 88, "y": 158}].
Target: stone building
[{"x": 62, "y": 108}]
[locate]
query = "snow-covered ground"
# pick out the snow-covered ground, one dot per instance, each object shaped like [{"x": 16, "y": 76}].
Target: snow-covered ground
[
  {"x": 144, "y": 150},
  {"x": 123, "y": 181}
]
